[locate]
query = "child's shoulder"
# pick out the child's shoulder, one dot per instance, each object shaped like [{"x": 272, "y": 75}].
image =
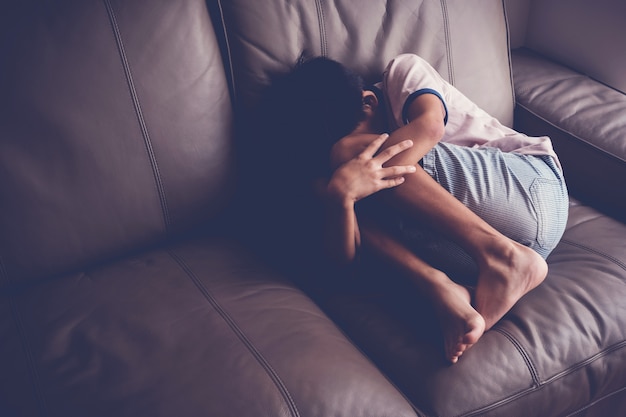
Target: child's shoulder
[
  {"x": 349, "y": 147},
  {"x": 407, "y": 61},
  {"x": 408, "y": 71}
]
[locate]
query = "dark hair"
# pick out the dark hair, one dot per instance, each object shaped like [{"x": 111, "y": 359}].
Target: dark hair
[
  {"x": 285, "y": 140},
  {"x": 313, "y": 106}
]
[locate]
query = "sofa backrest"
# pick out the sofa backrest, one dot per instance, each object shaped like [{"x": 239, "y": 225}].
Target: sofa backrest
[
  {"x": 114, "y": 129},
  {"x": 466, "y": 41},
  {"x": 583, "y": 35}
]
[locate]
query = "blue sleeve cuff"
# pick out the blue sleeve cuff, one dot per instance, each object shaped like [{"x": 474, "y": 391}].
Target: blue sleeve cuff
[{"x": 416, "y": 94}]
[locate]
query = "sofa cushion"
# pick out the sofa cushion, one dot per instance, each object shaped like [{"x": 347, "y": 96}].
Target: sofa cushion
[
  {"x": 578, "y": 104},
  {"x": 195, "y": 329},
  {"x": 465, "y": 42},
  {"x": 583, "y": 35},
  {"x": 559, "y": 350},
  {"x": 114, "y": 130},
  {"x": 585, "y": 120}
]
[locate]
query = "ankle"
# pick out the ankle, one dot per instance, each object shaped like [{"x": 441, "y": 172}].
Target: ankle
[{"x": 501, "y": 252}]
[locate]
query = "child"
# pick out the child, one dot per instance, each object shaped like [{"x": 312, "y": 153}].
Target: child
[{"x": 482, "y": 195}]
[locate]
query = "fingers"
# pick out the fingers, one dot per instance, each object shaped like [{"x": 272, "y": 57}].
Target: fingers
[
  {"x": 374, "y": 146},
  {"x": 392, "y": 182},
  {"x": 394, "y": 176},
  {"x": 397, "y": 170},
  {"x": 372, "y": 166},
  {"x": 387, "y": 154}
]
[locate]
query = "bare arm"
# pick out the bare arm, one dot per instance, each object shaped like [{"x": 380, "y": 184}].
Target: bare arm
[
  {"x": 352, "y": 181},
  {"x": 421, "y": 195},
  {"x": 425, "y": 128},
  {"x": 426, "y": 200}
]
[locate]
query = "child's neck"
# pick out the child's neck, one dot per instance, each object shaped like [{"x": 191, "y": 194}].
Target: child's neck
[{"x": 376, "y": 124}]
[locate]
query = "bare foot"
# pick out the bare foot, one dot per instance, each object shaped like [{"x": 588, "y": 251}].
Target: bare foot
[
  {"x": 462, "y": 326},
  {"x": 504, "y": 279}
]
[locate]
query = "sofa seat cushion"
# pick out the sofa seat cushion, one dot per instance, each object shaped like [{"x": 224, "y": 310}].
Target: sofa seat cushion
[
  {"x": 585, "y": 119},
  {"x": 200, "y": 328},
  {"x": 560, "y": 349}
]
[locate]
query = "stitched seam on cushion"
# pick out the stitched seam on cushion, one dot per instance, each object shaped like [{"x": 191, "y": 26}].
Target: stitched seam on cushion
[
  {"x": 538, "y": 386},
  {"x": 140, "y": 117},
  {"x": 597, "y": 401},
  {"x": 529, "y": 363},
  {"x": 322, "y": 27},
  {"x": 586, "y": 362},
  {"x": 446, "y": 32},
  {"x": 515, "y": 396},
  {"x": 508, "y": 49},
  {"x": 566, "y": 131},
  {"x": 353, "y": 343},
  {"x": 481, "y": 411},
  {"x": 597, "y": 252},
  {"x": 293, "y": 409},
  {"x": 233, "y": 87}
]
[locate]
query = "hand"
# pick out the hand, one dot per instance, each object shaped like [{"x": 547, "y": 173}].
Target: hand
[{"x": 365, "y": 174}]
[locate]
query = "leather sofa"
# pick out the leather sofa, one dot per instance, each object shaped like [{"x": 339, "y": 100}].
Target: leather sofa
[{"x": 135, "y": 279}]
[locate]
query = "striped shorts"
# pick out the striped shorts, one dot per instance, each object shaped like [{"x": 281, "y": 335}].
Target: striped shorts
[{"x": 524, "y": 197}]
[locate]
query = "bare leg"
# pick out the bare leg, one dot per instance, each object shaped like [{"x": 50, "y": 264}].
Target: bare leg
[
  {"x": 507, "y": 270},
  {"x": 461, "y": 324},
  {"x": 506, "y": 275}
]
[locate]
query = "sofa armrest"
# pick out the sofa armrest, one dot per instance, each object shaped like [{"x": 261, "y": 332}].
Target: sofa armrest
[{"x": 586, "y": 121}]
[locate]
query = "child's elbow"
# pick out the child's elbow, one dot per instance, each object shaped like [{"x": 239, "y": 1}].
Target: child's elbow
[{"x": 435, "y": 128}]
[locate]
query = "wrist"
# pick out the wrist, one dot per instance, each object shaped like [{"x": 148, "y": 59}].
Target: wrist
[{"x": 338, "y": 197}]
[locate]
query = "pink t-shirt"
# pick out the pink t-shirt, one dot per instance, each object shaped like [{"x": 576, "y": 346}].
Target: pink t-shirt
[{"x": 409, "y": 76}]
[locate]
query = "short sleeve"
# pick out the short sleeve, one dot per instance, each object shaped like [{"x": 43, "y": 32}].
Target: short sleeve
[{"x": 407, "y": 77}]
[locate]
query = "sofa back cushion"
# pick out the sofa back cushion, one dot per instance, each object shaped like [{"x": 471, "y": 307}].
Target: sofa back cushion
[
  {"x": 114, "y": 129},
  {"x": 584, "y": 35},
  {"x": 465, "y": 41}
]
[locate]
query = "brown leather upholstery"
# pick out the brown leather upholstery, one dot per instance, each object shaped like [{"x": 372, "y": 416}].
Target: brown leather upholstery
[
  {"x": 115, "y": 138},
  {"x": 582, "y": 35},
  {"x": 268, "y": 36},
  {"x": 115, "y": 131},
  {"x": 127, "y": 290},
  {"x": 548, "y": 94}
]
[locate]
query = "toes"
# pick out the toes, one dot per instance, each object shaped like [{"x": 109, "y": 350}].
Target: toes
[
  {"x": 454, "y": 354},
  {"x": 455, "y": 358}
]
